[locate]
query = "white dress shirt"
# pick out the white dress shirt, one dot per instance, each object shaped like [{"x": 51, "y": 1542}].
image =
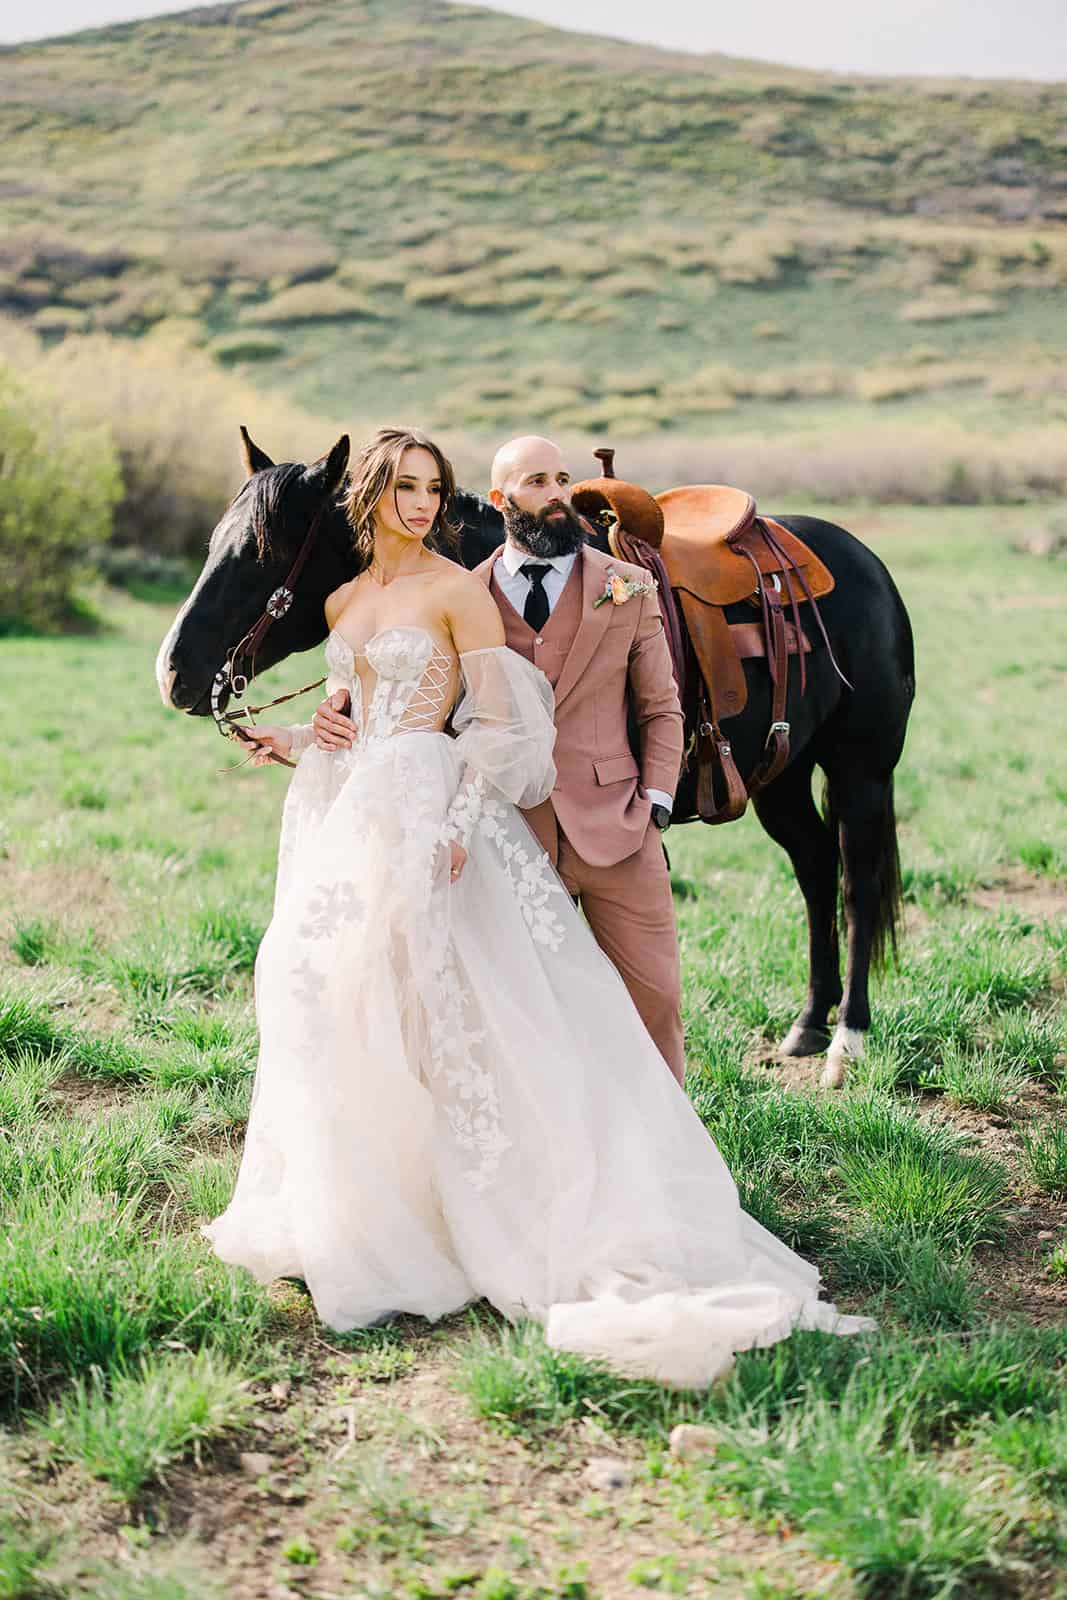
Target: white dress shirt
[{"x": 515, "y": 587}]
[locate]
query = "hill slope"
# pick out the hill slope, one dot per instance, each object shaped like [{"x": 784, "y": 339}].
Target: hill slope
[{"x": 416, "y": 207}]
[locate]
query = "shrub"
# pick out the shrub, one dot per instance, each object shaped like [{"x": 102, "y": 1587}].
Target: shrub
[
  {"x": 172, "y": 414},
  {"x": 60, "y": 484},
  {"x": 311, "y": 302},
  {"x": 947, "y": 306},
  {"x": 230, "y": 348}
]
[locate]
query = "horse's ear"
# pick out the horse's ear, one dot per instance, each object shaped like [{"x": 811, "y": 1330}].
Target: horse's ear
[
  {"x": 256, "y": 460},
  {"x": 329, "y": 470}
]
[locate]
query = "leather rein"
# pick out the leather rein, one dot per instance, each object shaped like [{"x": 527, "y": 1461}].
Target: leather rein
[{"x": 239, "y": 668}]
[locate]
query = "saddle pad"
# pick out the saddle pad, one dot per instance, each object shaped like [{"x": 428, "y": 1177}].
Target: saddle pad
[{"x": 700, "y": 518}]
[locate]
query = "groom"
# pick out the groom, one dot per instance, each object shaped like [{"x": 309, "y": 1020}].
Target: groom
[{"x": 601, "y": 824}]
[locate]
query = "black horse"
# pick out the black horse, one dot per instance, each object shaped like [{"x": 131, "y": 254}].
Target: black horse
[{"x": 855, "y": 734}]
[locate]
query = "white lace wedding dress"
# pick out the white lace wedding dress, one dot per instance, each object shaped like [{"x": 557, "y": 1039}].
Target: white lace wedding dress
[{"x": 455, "y": 1096}]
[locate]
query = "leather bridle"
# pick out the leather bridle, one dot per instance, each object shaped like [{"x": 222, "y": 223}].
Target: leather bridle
[{"x": 239, "y": 668}]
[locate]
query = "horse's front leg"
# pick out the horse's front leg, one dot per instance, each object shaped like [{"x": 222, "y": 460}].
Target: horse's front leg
[{"x": 788, "y": 813}]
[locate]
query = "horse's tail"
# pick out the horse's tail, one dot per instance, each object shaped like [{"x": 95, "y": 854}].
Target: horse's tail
[{"x": 883, "y": 862}]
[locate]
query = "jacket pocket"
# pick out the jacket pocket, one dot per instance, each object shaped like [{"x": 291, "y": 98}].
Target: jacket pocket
[{"x": 614, "y": 769}]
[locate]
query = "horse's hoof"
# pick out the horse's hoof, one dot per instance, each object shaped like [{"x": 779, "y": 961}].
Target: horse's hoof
[
  {"x": 850, "y": 1043},
  {"x": 803, "y": 1041},
  {"x": 847, "y": 1045}
]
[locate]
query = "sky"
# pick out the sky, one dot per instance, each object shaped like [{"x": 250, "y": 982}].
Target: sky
[{"x": 974, "y": 38}]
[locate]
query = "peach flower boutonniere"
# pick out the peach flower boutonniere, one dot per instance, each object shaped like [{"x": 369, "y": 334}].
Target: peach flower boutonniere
[{"x": 619, "y": 589}]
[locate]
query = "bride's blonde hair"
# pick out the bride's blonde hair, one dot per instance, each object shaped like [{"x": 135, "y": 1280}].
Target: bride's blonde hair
[{"x": 375, "y": 468}]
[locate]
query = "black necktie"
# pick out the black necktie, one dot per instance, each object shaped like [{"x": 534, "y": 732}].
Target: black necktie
[{"x": 535, "y": 611}]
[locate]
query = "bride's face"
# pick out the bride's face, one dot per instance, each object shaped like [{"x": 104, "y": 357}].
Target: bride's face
[{"x": 409, "y": 506}]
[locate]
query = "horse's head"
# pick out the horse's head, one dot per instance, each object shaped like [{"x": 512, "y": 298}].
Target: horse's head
[{"x": 249, "y": 556}]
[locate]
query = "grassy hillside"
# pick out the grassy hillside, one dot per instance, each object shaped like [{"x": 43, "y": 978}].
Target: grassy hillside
[{"x": 416, "y": 208}]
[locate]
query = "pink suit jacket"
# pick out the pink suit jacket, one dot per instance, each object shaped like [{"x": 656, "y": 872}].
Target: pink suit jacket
[{"x": 598, "y": 659}]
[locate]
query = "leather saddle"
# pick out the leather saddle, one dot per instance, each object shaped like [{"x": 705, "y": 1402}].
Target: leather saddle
[{"x": 709, "y": 548}]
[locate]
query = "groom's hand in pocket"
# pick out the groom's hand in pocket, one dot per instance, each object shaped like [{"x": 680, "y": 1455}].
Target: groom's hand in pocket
[{"x": 334, "y": 728}]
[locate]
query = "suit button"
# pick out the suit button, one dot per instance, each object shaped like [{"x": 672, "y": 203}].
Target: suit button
[{"x": 539, "y": 641}]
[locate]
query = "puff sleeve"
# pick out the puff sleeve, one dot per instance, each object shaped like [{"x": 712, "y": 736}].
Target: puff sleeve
[{"x": 505, "y": 733}]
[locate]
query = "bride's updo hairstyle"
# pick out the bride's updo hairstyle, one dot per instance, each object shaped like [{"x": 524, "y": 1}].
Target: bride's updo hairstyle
[{"x": 376, "y": 467}]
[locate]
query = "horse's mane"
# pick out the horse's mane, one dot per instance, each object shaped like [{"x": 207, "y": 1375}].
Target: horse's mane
[{"x": 268, "y": 491}]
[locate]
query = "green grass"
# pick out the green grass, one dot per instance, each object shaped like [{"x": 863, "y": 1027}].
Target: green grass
[
  {"x": 205, "y": 1185},
  {"x": 1034, "y": 1446},
  {"x": 25, "y": 1086},
  {"x": 1045, "y": 1158},
  {"x": 988, "y": 1081},
  {"x": 923, "y": 1284},
  {"x": 923, "y": 1534},
  {"x": 842, "y": 209},
  {"x": 86, "y": 1282},
  {"x": 127, "y": 1048},
  {"x": 129, "y": 1430}
]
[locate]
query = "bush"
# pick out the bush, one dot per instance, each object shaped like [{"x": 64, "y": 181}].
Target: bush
[
  {"x": 230, "y": 348},
  {"x": 60, "y": 485},
  {"x": 172, "y": 414}
]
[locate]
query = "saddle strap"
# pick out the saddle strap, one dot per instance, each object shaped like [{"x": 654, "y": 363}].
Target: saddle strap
[
  {"x": 769, "y": 530},
  {"x": 715, "y": 751},
  {"x": 628, "y": 547},
  {"x": 776, "y": 748}
]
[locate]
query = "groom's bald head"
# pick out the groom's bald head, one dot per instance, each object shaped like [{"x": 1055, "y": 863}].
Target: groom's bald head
[
  {"x": 532, "y": 488},
  {"x": 526, "y": 465}
]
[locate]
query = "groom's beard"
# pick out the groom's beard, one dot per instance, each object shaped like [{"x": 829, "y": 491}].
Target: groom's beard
[{"x": 541, "y": 533}]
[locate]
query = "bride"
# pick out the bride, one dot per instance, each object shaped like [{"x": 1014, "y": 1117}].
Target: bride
[{"x": 455, "y": 1096}]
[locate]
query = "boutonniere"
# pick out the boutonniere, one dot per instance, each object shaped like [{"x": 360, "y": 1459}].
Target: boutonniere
[{"x": 619, "y": 589}]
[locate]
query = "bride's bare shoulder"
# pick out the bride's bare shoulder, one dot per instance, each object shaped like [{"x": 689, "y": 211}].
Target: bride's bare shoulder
[
  {"x": 336, "y": 602},
  {"x": 471, "y": 611}
]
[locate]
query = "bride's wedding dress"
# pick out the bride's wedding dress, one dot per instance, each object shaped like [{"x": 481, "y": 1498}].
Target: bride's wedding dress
[{"x": 455, "y": 1096}]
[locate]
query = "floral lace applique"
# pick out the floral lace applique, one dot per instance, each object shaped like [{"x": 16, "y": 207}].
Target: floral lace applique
[
  {"x": 465, "y": 809},
  {"x": 310, "y": 993},
  {"x": 412, "y": 679},
  {"x": 474, "y": 1114},
  {"x": 530, "y": 875},
  {"x": 331, "y": 905}
]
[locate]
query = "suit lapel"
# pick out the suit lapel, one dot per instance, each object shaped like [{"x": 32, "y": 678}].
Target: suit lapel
[{"x": 593, "y": 625}]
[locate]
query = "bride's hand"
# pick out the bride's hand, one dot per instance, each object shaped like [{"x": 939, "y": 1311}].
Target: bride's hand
[
  {"x": 457, "y": 860},
  {"x": 269, "y": 741}
]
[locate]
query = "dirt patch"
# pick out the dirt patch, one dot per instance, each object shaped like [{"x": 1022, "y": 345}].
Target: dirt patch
[
  {"x": 998, "y": 1133},
  {"x": 1018, "y": 890},
  {"x": 799, "y": 1073},
  {"x": 416, "y": 1486},
  {"x": 81, "y": 899},
  {"x": 84, "y": 1097},
  {"x": 1018, "y": 1284},
  {"x": 1014, "y": 1270}
]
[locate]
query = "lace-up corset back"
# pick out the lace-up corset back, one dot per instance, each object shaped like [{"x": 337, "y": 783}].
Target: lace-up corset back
[{"x": 409, "y": 687}]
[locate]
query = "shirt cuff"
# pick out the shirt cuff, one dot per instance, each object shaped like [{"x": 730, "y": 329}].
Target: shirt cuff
[{"x": 658, "y": 798}]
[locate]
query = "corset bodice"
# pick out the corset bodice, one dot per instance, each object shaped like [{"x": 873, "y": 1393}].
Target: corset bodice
[{"x": 414, "y": 681}]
